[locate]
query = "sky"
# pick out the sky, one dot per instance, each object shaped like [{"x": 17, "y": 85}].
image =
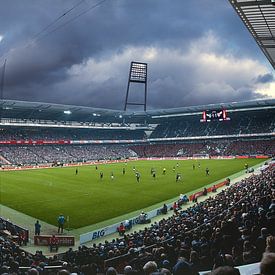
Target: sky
[{"x": 79, "y": 52}]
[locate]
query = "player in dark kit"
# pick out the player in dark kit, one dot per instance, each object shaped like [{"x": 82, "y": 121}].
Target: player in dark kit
[
  {"x": 123, "y": 171},
  {"x": 76, "y": 171},
  {"x": 101, "y": 175},
  {"x": 138, "y": 176},
  {"x": 207, "y": 172},
  {"x": 178, "y": 177},
  {"x": 154, "y": 175},
  {"x": 194, "y": 166}
]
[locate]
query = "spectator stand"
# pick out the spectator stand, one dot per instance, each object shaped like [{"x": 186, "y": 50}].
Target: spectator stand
[
  {"x": 169, "y": 214},
  {"x": 253, "y": 180},
  {"x": 13, "y": 232}
]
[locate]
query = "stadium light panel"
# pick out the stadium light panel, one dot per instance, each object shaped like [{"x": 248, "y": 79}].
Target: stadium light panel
[
  {"x": 68, "y": 112},
  {"x": 94, "y": 114}
]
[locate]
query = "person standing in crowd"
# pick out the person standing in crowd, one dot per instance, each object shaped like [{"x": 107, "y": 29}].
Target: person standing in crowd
[
  {"x": 121, "y": 229},
  {"x": 61, "y": 222},
  {"x": 37, "y": 228},
  {"x": 164, "y": 209},
  {"x": 53, "y": 243}
]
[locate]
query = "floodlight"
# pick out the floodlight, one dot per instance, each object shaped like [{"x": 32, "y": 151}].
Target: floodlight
[{"x": 137, "y": 74}]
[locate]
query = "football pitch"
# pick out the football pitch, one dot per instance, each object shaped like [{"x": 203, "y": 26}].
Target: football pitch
[{"x": 86, "y": 199}]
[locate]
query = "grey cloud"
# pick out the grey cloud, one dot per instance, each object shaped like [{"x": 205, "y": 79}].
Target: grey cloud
[
  {"x": 40, "y": 72},
  {"x": 266, "y": 78}
]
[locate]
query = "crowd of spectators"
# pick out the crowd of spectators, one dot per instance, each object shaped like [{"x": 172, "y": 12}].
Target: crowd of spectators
[
  {"x": 212, "y": 148},
  {"x": 188, "y": 126},
  {"x": 239, "y": 124},
  {"x": 261, "y": 122},
  {"x": 257, "y": 147},
  {"x": 156, "y": 150},
  {"x": 39, "y": 154},
  {"x": 40, "y": 133},
  {"x": 19, "y": 155},
  {"x": 233, "y": 228}
]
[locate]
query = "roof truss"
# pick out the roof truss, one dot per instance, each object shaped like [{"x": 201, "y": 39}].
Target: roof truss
[{"x": 259, "y": 18}]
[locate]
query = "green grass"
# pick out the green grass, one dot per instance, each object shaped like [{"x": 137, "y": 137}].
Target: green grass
[{"x": 45, "y": 193}]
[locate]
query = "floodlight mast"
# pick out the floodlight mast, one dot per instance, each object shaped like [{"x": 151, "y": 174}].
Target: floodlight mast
[
  {"x": 137, "y": 74},
  {"x": 2, "y": 88},
  {"x": 2, "y": 80}
]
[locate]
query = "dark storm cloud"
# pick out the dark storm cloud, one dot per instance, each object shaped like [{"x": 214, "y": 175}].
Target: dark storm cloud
[
  {"x": 42, "y": 70},
  {"x": 266, "y": 78}
]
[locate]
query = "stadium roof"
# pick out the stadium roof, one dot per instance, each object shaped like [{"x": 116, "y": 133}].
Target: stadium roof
[
  {"x": 58, "y": 112},
  {"x": 259, "y": 18}
]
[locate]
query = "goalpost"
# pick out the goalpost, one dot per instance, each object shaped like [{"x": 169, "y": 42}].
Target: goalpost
[{"x": 201, "y": 156}]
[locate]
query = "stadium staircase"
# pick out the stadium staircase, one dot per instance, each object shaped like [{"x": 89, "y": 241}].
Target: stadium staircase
[{"x": 3, "y": 160}]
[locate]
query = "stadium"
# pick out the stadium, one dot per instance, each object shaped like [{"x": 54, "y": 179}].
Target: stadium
[{"x": 183, "y": 190}]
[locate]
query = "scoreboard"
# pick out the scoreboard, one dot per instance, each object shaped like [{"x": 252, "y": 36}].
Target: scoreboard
[{"x": 218, "y": 115}]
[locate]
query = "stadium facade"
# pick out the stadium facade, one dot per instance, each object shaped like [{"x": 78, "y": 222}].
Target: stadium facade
[{"x": 48, "y": 133}]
